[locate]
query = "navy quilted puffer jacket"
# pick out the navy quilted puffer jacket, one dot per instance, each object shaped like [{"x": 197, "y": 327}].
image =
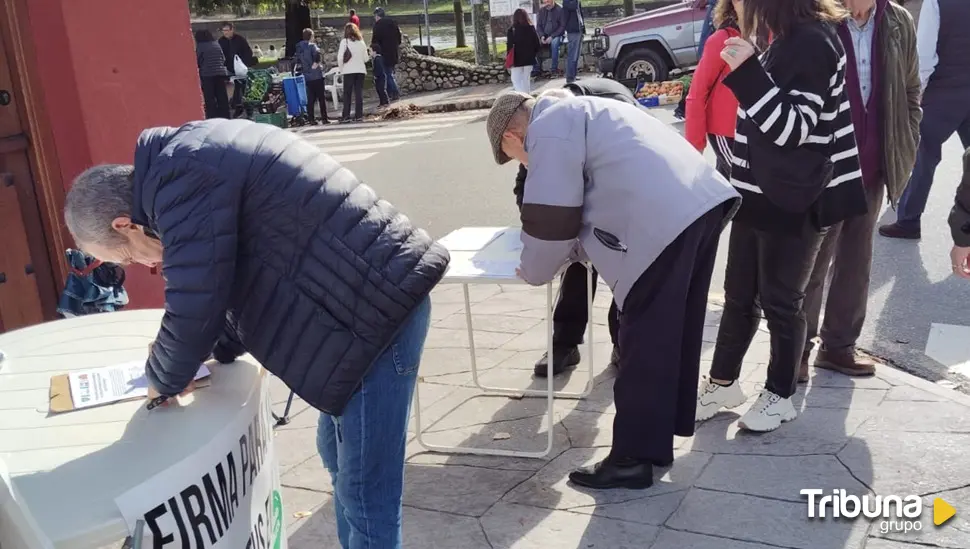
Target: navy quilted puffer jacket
[{"x": 272, "y": 247}]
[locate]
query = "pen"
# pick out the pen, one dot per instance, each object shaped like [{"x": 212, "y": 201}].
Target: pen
[{"x": 157, "y": 401}]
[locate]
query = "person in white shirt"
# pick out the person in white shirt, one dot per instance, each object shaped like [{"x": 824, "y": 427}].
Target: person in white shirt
[
  {"x": 351, "y": 59},
  {"x": 943, "y": 45}
]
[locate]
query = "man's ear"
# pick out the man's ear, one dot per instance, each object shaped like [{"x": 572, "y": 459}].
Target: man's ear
[{"x": 123, "y": 225}]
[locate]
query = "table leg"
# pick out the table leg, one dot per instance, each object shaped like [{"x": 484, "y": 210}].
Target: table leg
[{"x": 549, "y": 393}]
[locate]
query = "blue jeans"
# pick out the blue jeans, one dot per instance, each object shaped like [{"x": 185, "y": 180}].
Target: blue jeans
[
  {"x": 944, "y": 112},
  {"x": 392, "y": 91},
  {"x": 364, "y": 448},
  {"x": 573, "y": 48},
  {"x": 707, "y": 29},
  {"x": 554, "y": 48}
]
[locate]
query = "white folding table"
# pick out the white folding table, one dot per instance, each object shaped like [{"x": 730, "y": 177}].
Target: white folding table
[{"x": 490, "y": 255}]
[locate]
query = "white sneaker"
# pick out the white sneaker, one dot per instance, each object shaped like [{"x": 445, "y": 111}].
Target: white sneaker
[
  {"x": 713, "y": 398},
  {"x": 768, "y": 413}
]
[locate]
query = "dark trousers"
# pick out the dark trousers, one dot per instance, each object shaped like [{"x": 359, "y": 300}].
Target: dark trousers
[
  {"x": 768, "y": 272},
  {"x": 316, "y": 91},
  {"x": 847, "y": 247},
  {"x": 238, "y": 97},
  {"x": 661, "y": 334},
  {"x": 572, "y": 312},
  {"x": 380, "y": 79},
  {"x": 215, "y": 96},
  {"x": 724, "y": 152},
  {"x": 944, "y": 112},
  {"x": 353, "y": 88}
]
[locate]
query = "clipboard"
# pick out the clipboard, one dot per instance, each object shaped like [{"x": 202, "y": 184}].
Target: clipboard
[{"x": 60, "y": 400}]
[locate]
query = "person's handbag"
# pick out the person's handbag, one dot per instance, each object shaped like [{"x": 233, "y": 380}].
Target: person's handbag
[
  {"x": 792, "y": 179},
  {"x": 510, "y": 54},
  {"x": 347, "y": 54},
  {"x": 239, "y": 68}
]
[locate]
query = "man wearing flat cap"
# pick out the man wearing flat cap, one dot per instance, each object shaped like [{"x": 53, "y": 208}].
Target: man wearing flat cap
[{"x": 608, "y": 182}]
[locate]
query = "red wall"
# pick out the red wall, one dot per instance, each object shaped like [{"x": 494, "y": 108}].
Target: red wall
[{"x": 109, "y": 69}]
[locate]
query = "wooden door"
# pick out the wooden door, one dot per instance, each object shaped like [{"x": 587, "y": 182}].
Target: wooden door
[{"x": 27, "y": 292}]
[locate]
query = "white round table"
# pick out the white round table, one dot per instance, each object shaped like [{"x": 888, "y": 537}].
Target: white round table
[{"x": 60, "y": 474}]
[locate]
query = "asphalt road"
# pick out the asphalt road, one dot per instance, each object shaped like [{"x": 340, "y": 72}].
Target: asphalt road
[{"x": 442, "y": 175}]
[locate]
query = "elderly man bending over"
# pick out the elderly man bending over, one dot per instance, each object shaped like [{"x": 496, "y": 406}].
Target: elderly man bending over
[
  {"x": 610, "y": 182},
  {"x": 271, "y": 247}
]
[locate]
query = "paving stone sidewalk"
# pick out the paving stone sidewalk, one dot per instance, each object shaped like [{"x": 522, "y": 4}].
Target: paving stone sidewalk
[{"x": 892, "y": 434}]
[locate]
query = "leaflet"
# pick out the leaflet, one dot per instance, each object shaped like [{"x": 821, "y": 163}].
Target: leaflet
[{"x": 97, "y": 386}]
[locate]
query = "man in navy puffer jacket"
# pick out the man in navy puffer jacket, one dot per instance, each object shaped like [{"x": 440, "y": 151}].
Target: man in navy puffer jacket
[{"x": 269, "y": 246}]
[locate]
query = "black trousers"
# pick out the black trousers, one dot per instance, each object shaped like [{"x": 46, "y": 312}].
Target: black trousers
[
  {"x": 661, "y": 334},
  {"x": 316, "y": 91},
  {"x": 353, "y": 87},
  {"x": 766, "y": 272},
  {"x": 572, "y": 313},
  {"x": 215, "y": 96}
]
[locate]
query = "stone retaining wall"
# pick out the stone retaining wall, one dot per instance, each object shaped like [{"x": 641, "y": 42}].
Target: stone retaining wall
[{"x": 416, "y": 72}]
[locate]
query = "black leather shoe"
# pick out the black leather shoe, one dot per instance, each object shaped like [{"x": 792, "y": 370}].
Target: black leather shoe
[
  {"x": 894, "y": 230},
  {"x": 615, "y": 473},
  {"x": 563, "y": 359}
]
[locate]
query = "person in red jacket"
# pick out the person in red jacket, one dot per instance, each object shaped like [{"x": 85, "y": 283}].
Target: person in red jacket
[
  {"x": 712, "y": 109},
  {"x": 354, "y": 18}
]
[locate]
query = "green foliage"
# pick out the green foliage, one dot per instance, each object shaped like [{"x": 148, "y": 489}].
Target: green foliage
[{"x": 244, "y": 8}]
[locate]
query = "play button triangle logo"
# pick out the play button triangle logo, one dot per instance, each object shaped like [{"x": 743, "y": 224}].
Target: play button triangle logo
[{"x": 942, "y": 511}]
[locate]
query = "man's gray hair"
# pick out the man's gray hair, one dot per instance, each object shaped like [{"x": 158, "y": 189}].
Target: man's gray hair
[{"x": 97, "y": 197}]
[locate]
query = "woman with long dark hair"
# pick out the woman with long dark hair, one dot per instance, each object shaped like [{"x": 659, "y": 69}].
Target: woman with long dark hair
[
  {"x": 796, "y": 165},
  {"x": 351, "y": 59},
  {"x": 523, "y": 45},
  {"x": 712, "y": 109},
  {"x": 212, "y": 74}
]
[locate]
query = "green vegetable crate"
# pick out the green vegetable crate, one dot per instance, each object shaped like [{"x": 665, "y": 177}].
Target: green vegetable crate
[{"x": 277, "y": 119}]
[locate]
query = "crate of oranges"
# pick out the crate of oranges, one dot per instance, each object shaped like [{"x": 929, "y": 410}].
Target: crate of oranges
[{"x": 652, "y": 94}]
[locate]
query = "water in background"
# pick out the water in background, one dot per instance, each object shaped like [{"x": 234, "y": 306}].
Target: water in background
[{"x": 442, "y": 35}]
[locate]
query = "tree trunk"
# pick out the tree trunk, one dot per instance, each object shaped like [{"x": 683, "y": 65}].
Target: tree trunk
[
  {"x": 459, "y": 25},
  {"x": 627, "y": 7},
  {"x": 481, "y": 33}
]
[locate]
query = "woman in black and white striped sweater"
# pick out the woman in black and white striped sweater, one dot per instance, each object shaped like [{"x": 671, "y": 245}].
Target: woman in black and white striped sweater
[{"x": 796, "y": 166}]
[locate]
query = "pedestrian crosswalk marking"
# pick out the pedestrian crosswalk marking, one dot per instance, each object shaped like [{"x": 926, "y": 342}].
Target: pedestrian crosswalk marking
[
  {"x": 355, "y": 147},
  {"x": 345, "y": 158},
  {"x": 358, "y": 142},
  {"x": 335, "y": 140}
]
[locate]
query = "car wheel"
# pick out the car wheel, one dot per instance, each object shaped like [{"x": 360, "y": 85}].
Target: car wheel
[{"x": 642, "y": 62}]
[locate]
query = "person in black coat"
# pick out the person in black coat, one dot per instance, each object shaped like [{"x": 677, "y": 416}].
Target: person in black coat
[
  {"x": 387, "y": 38},
  {"x": 212, "y": 74},
  {"x": 523, "y": 44},
  {"x": 270, "y": 247},
  {"x": 232, "y": 45}
]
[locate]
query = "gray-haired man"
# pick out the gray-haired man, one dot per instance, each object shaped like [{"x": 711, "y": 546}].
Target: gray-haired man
[
  {"x": 271, "y": 247},
  {"x": 608, "y": 181}
]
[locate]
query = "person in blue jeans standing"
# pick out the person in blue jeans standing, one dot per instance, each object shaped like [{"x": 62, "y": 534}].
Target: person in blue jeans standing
[
  {"x": 706, "y": 30},
  {"x": 270, "y": 247},
  {"x": 944, "y": 71},
  {"x": 575, "y": 29},
  {"x": 551, "y": 26},
  {"x": 366, "y": 457}
]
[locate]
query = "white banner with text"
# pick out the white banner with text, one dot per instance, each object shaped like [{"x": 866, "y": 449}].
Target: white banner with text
[{"x": 225, "y": 496}]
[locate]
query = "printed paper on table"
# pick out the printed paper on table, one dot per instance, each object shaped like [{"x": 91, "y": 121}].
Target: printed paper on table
[{"x": 97, "y": 386}]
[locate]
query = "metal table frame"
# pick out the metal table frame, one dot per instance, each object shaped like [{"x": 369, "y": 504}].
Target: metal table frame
[{"x": 550, "y": 393}]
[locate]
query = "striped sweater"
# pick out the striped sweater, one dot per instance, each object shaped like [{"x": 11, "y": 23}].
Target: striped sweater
[{"x": 794, "y": 96}]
